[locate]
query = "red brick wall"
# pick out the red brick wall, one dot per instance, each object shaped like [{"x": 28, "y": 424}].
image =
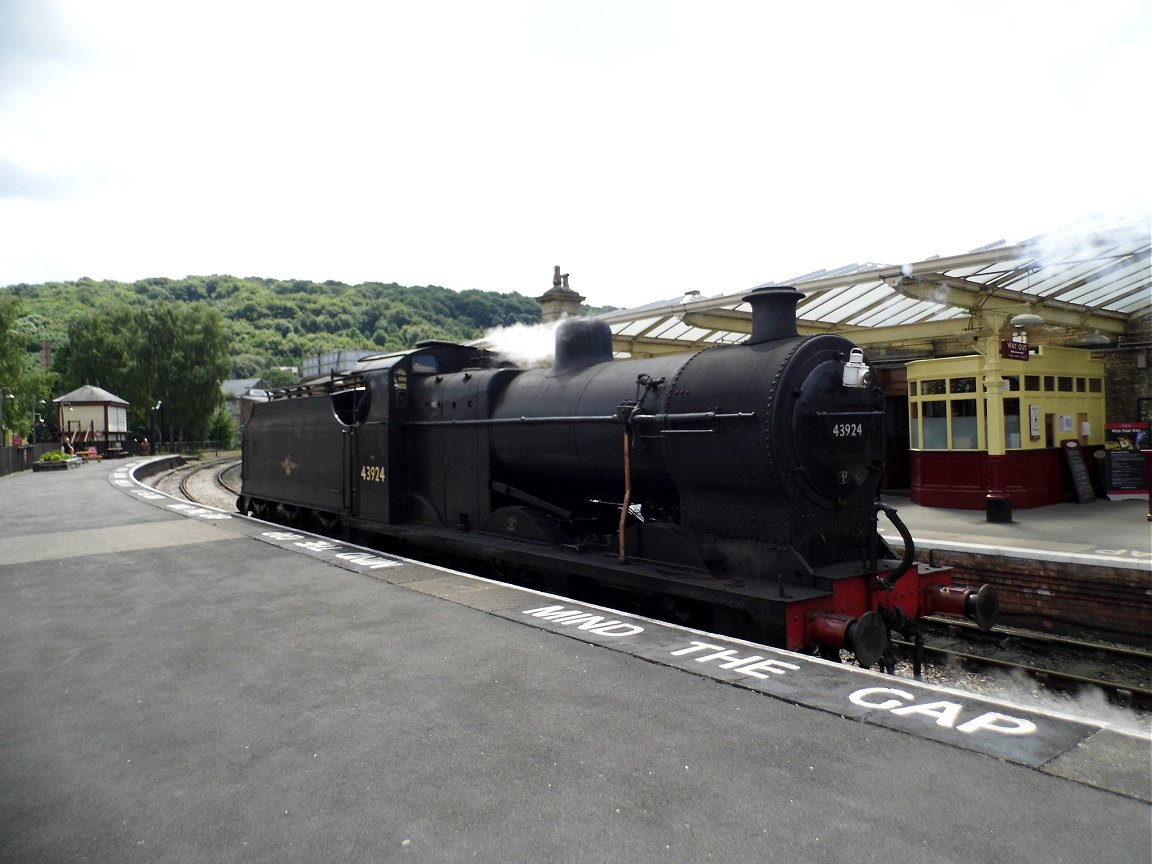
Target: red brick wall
[{"x": 1058, "y": 597}]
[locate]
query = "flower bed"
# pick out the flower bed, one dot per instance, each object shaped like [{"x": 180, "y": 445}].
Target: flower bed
[{"x": 57, "y": 460}]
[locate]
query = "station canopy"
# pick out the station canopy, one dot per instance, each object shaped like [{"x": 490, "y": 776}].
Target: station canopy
[{"x": 1064, "y": 288}]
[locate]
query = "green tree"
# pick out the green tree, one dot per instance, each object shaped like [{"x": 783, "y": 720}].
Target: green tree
[
  {"x": 101, "y": 349},
  {"x": 222, "y": 429},
  {"x": 276, "y": 377},
  {"x": 196, "y": 364},
  {"x": 11, "y": 342},
  {"x": 11, "y": 363},
  {"x": 25, "y": 386},
  {"x": 169, "y": 355}
]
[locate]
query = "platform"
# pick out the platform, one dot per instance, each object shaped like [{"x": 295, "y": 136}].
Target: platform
[
  {"x": 1114, "y": 532},
  {"x": 181, "y": 684}
]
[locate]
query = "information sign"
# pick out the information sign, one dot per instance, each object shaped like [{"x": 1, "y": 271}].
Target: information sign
[{"x": 1125, "y": 468}]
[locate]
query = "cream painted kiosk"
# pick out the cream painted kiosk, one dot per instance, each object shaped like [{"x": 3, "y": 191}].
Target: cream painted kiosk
[{"x": 988, "y": 430}]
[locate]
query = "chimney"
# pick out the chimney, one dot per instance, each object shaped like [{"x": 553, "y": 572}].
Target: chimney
[
  {"x": 773, "y": 313},
  {"x": 561, "y": 301}
]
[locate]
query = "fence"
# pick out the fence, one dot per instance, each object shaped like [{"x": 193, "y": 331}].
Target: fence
[{"x": 13, "y": 459}]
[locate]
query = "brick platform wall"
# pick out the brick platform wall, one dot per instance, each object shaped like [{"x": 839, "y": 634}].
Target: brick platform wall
[{"x": 1058, "y": 597}]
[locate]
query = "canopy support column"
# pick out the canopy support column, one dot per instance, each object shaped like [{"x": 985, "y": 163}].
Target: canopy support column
[{"x": 997, "y": 503}]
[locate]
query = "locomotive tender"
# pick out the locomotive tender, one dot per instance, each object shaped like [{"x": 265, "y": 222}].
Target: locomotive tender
[{"x": 737, "y": 486}]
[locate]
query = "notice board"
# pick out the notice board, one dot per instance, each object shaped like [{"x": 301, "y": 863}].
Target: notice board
[
  {"x": 1125, "y": 467},
  {"x": 1081, "y": 481}
]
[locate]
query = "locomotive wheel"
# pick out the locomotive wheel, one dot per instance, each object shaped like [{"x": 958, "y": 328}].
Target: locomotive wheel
[
  {"x": 320, "y": 523},
  {"x": 288, "y": 515},
  {"x": 252, "y": 507}
]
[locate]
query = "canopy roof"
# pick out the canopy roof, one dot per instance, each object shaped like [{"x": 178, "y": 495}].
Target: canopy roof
[{"x": 1086, "y": 288}]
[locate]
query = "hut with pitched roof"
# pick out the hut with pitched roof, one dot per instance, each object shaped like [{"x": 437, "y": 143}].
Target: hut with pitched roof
[{"x": 91, "y": 417}]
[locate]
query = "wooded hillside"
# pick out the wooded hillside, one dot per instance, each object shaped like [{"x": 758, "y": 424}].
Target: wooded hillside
[{"x": 273, "y": 323}]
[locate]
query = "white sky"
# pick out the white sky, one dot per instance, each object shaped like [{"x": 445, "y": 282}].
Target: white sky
[{"x": 649, "y": 147}]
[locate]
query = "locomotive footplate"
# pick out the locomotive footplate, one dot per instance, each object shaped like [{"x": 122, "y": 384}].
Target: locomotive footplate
[{"x": 777, "y": 612}]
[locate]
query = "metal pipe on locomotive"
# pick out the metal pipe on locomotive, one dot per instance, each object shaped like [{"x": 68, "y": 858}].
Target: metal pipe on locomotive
[{"x": 736, "y": 487}]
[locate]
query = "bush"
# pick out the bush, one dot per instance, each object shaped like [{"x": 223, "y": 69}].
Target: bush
[
  {"x": 222, "y": 429},
  {"x": 55, "y": 456}
]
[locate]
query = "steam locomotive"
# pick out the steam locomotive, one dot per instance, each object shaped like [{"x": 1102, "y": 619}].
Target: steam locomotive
[{"x": 735, "y": 488}]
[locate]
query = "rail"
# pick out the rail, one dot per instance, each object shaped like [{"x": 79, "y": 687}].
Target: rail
[{"x": 1125, "y": 679}]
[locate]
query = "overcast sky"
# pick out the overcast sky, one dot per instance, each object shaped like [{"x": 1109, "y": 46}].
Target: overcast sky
[{"x": 649, "y": 147}]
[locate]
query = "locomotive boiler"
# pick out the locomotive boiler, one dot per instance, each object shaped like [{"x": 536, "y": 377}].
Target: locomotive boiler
[{"x": 736, "y": 487}]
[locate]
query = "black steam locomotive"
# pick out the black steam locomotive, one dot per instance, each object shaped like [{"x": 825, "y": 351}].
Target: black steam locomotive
[{"x": 736, "y": 487}]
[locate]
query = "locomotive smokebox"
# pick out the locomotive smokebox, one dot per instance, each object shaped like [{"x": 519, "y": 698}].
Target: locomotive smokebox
[
  {"x": 580, "y": 343},
  {"x": 773, "y": 313}
]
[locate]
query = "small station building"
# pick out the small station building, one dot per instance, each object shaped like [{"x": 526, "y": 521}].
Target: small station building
[
  {"x": 92, "y": 417},
  {"x": 995, "y": 363},
  {"x": 976, "y": 430}
]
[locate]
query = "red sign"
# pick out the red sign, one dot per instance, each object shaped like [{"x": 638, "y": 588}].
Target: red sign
[{"x": 1010, "y": 349}]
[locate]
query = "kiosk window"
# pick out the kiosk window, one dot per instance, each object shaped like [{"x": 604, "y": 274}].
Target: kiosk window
[
  {"x": 1065, "y": 383},
  {"x": 1032, "y": 382},
  {"x": 1095, "y": 385},
  {"x": 936, "y": 425},
  {"x": 1012, "y": 423},
  {"x": 964, "y": 435},
  {"x": 962, "y": 385},
  {"x": 932, "y": 387}
]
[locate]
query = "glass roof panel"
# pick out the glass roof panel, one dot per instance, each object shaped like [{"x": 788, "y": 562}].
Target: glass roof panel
[
  {"x": 1108, "y": 271},
  {"x": 831, "y": 304},
  {"x": 868, "y": 301},
  {"x": 635, "y": 328}
]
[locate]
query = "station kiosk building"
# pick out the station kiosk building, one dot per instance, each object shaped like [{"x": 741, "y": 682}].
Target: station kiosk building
[{"x": 979, "y": 426}]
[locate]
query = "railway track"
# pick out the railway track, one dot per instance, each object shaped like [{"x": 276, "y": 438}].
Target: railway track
[
  {"x": 215, "y": 482},
  {"x": 1058, "y": 682},
  {"x": 1043, "y": 641},
  {"x": 1055, "y": 663},
  {"x": 957, "y": 653}
]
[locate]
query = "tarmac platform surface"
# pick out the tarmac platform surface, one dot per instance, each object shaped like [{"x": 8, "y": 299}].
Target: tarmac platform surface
[
  {"x": 180, "y": 684},
  {"x": 1108, "y": 531}
]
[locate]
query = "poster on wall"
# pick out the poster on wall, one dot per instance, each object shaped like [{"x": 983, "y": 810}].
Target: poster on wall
[{"x": 1125, "y": 466}]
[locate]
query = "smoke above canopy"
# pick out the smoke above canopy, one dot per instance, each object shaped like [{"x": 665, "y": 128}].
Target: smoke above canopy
[{"x": 523, "y": 344}]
